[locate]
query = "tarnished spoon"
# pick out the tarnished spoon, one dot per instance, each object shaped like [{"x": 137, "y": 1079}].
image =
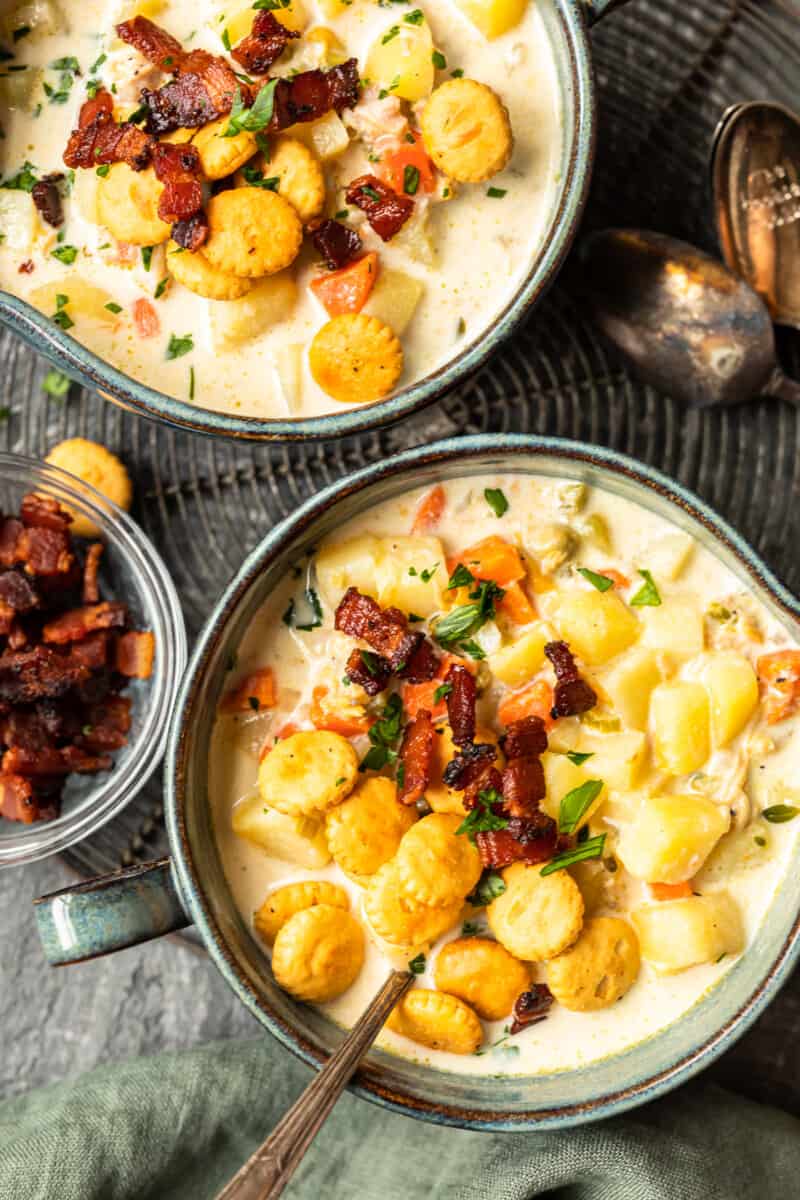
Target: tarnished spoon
[
  {"x": 267, "y": 1171},
  {"x": 755, "y": 179},
  {"x": 690, "y": 327}
]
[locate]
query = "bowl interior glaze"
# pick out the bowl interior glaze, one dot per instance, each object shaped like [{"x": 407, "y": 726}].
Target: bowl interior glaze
[{"x": 599, "y": 1089}]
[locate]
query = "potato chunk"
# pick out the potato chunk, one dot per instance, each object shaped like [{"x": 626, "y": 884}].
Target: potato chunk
[
  {"x": 679, "y": 718},
  {"x": 668, "y": 557},
  {"x": 493, "y": 17},
  {"x": 401, "y": 58},
  {"x": 670, "y": 837},
  {"x": 597, "y": 625},
  {"x": 674, "y": 627},
  {"x": 629, "y": 684},
  {"x": 355, "y": 358},
  {"x": 267, "y": 302},
  {"x": 252, "y": 232},
  {"x": 466, "y": 130},
  {"x": 598, "y": 969},
  {"x": 195, "y": 272},
  {"x": 537, "y": 916},
  {"x": 295, "y": 839},
  {"x": 398, "y": 919},
  {"x": 394, "y": 298},
  {"x": 438, "y": 1021},
  {"x": 327, "y": 137},
  {"x": 298, "y": 174},
  {"x": 98, "y": 467},
  {"x": 617, "y": 758},
  {"x": 518, "y": 662},
  {"x": 676, "y": 934},
  {"x": 435, "y": 865},
  {"x": 733, "y": 692},
  {"x": 483, "y": 973},
  {"x": 19, "y": 222},
  {"x": 381, "y": 568},
  {"x": 307, "y": 773},
  {"x": 318, "y": 953},
  {"x": 127, "y": 204},
  {"x": 219, "y": 155},
  {"x": 364, "y": 832},
  {"x": 284, "y": 902}
]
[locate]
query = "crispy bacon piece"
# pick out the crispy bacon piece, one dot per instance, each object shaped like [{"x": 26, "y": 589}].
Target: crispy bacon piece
[
  {"x": 467, "y": 767},
  {"x": 311, "y": 94},
  {"x": 178, "y": 168},
  {"x": 26, "y": 268},
  {"x": 531, "y": 1007},
  {"x": 521, "y": 841},
  {"x": 107, "y": 725},
  {"x": 91, "y": 569},
  {"x": 191, "y": 234},
  {"x": 78, "y": 623},
  {"x": 44, "y": 511},
  {"x": 372, "y": 673},
  {"x": 44, "y": 551},
  {"x": 17, "y": 591},
  {"x": 523, "y": 786},
  {"x": 6, "y": 618},
  {"x": 422, "y": 665},
  {"x": 385, "y": 630},
  {"x": 154, "y": 43},
  {"x": 461, "y": 704},
  {"x": 50, "y": 761},
  {"x": 17, "y": 802},
  {"x": 92, "y": 652},
  {"x": 135, "y": 654},
  {"x": 99, "y": 139},
  {"x": 386, "y": 211},
  {"x": 10, "y": 533},
  {"x": 572, "y": 694},
  {"x": 266, "y": 41},
  {"x": 47, "y": 198},
  {"x": 30, "y": 675},
  {"x": 416, "y": 758},
  {"x": 527, "y": 736},
  {"x": 102, "y": 101},
  {"x": 337, "y": 244}
]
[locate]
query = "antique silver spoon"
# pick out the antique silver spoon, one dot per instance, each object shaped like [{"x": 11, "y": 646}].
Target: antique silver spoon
[
  {"x": 690, "y": 327},
  {"x": 755, "y": 179},
  {"x": 267, "y": 1172}
]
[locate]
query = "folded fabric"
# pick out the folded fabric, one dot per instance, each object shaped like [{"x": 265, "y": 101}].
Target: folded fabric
[{"x": 178, "y": 1126}]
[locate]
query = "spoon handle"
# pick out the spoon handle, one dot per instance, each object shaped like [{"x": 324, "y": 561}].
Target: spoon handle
[
  {"x": 267, "y": 1171},
  {"x": 783, "y": 388}
]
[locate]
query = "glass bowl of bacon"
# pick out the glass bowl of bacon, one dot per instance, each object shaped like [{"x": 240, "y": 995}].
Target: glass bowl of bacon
[{"x": 92, "y": 647}]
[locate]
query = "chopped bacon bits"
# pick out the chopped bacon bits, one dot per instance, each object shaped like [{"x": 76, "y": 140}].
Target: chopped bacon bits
[
  {"x": 17, "y": 802},
  {"x": 337, "y": 244},
  {"x": 531, "y": 1007},
  {"x": 572, "y": 694},
  {"x": 527, "y": 736},
  {"x": 311, "y": 94},
  {"x": 466, "y": 769},
  {"x": 461, "y": 701},
  {"x": 523, "y": 786},
  {"x": 178, "y": 168},
  {"x": 47, "y": 198},
  {"x": 416, "y": 758},
  {"x": 78, "y": 623},
  {"x": 44, "y": 511},
  {"x": 423, "y": 664},
  {"x": 154, "y": 43},
  {"x": 17, "y": 592},
  {"x": 135, "y": 655},
  {"x": 91, "y": 568},
  {"x": 266, "y": 41},
  {"x": 145, "y": 317},
  {"x": 44, "y": 551},
  {"x": 191, "y": 234},
  {"x": 384, "y": 630},
  {"x": 385, "y": 210},
  {"x": 521, "y": 841},
  {"x": 368, "y": 671},
  {"x": 99, "y": 139}
]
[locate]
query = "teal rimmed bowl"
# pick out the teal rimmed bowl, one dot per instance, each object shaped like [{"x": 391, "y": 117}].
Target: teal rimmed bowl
[
  {"x": 567, "y": 23},
  {"x": 119, "y": 910}
]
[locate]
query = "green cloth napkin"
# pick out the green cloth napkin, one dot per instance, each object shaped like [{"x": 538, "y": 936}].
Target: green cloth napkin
[{"x": 178, "y": 1126}]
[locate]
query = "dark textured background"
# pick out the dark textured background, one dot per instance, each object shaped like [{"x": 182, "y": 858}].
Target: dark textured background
[{"x": 666, "y": 69}]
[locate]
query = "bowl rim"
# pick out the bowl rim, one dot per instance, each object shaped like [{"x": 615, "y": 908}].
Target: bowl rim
[
  {"x": 129, "y": 394},
  {"x": 481, "y": 446},
  {"x": 115, "y": 790}
]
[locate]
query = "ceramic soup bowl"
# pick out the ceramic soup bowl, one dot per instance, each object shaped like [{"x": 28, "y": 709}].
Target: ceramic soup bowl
[{"x": 102, "y": 915}]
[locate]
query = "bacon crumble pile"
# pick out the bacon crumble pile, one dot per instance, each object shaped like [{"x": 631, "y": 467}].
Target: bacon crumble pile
[{"x": 65, "y": 658}]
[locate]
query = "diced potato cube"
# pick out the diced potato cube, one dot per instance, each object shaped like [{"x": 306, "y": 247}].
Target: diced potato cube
[
  {"x": 493, "y": 17},
  {"x": 400, "y": 60},
  {"x": 561, "y": 776},
  {"x": 382, "y": 568},
  {"x": 84, "y": 300},
  {"x": 143, "y": 8},
  {"x": 667, "y": 557},
  {"x": 617, "y": 758},
  {"x": 676, "y": 934},
  {"x": 22, "y": 90},
  {"x": 84, "y": 195},
  {"x": 629, "y": 683},
  {"x": 270, "y": 301},
  {"x": 351, "y": 563},
  {"x": 293, "y": 16},
  {"x": 295, "y": 839},
  {"x": 733, "y": 689},
  {"x": 394, "y": 298},
  {"x": 333, "y": 49},
  {"x": 416, "y": 240},
  {"x": 674, "y": 627},
  {"x": 237, "y": 22},
  {"x": 596, "y": 625},
  {"x": 518, "y": 662},
  {"x": 18, "y": 221},
  {"x": 327, "y": 137},
  {"x": 680, "y": 723},
  {"x": 670, "y": 837},
  {"x": 43, "y": 17}
]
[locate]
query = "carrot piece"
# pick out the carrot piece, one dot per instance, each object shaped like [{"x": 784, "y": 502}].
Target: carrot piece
[
  {"x": 127, "y": 254},
  {"x": 620, "y": 580},
  {"x": 420, "y": 695},
  {"x": 430, "y": 510},
  {"x": 145, "y": 318},
  {"x": 779, "y": 676},
  {"x": 332, "y": 722},
  {"x": 494, "y": 558},
  {"x": 347, "y": 290},
  {"x": 535, "y": 699},
  {"x": 670, "y": 891},
  {"x": 517, "y": 605},
  {"x": 255, "y": 692},
  {"x": 393, "y": 168}
]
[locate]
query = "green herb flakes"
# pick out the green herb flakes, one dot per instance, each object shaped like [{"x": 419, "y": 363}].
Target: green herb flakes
[
  {"x": 390, "y": 34},
  {"x": 383, "y": 736},
  {"x": 55, "y": 383},
  {"x": 410, "y": 179},
  {"x": 648, "y": 595},
  {"x": 147, "y": 257},
  {"x": 442, "y": 691},
  {"x": 489, "y": 887},
  {"x": 496, "y": 193},
  {"x": 591, "y": 848},
  {"x": 496, "y": 499},
  {"x": 482, "y": 818},
  {"x": 777, "y": 814},
  {"x": 161, "y": 287},
  {"x": 226, "y": 39},
  {"x": 255, "y": 118},
  {"x": 178, "y": 346},
  {"x": 438, "y": 60},
  {"x": 578, "y": 759},
  {"x": 23, "y": 181},
  {"x": 113, "y": 307},
  {"x": 65, "y": 254},
  {"x": 461, "y": 577},
  {"x": 417, "y": 965},
  {"x": 601, "y": 582},
  {"x": 103, "y": 170},
  {"x": 576, "y": 804},
  {"x": 414, "y": 18}
]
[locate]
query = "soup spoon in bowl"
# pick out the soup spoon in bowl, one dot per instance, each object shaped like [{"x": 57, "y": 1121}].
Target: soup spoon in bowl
[{"x": 690, "y": 326}]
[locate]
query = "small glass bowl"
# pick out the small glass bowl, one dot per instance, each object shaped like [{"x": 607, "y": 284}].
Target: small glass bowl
[{"x": 132, "y": 572}]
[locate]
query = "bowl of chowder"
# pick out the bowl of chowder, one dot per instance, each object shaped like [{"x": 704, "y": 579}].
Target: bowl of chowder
[
  {"x": 522, "y": 715},
  {"x": 292, "y": 219}
]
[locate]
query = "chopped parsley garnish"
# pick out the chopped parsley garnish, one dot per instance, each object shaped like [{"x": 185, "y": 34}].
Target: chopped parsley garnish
[
  {"x": 410, "y": 179},
  {"x": 472, "y": 649},
  {"x": 55, "y": 383},
  {"x": 254, "y": 118},
  {"x": 496, "y": 193},
  {"x": 161, "y": 287},
  {"x": 342, "y": 214},
  {"x": 778, "y": 813},
  {"x": 61, "y": 300},
  {"x": 470, "y": 929},
  {"x": 65, "y": 254},
  {"x": 178, "y": 346},
  {"x": 226, "y": 39},
  {"x": 647, "y": 596},
  {"x": 482, "y": 818},
  {"x": 92, "y": 88},
  {"x": 272, "y": 5},
  {"x": 23, "y": 181},
  {"x": 255, "y": 178},
  {"x": 383, "y": 735},
  {"x": 67, "y": 64},
  {"x": 426, "y": 574},
  {"x": 372, "y": 662},
  {"x": 417, "y": 965},
  {"x": 103, "y": 171},
  {"x": 438, "y": 60},
  {"x": 366, "y": 190},
  {"x": 760, "y": 841},
  {"x": 496, "y": 499},
  {"x": 63, "y": 319},
  {"x": 443, "y": 690},
  {"x": 191, "y": 383},
  {"x": 457, "y": 73},
  {"x": 390, "y": 34},
  {"x": 147, "y": 257},
  {"x": 20, "y": 32},
  {"x": 313, "y": 602},
  {"x": 138, "y": 115},
  {"x": 97, "y": 64},
  {"x": 288, "y": 616},
  {"x": 591, "y": 848},
  {"x": 414, "y": 618},
  {"x": 718, "y": 612},
  {"x": 113, "y": 308},
  {"x": 575, "y": 805},
  {"x": 489, "y": 887},
  {"x": 461, "y": 577},
  {"x": 601, "y": 582},
  {"x": 465, "y": 620},
  {"x": 578, "y": 759},
  {"x": 414, "y": 18}
]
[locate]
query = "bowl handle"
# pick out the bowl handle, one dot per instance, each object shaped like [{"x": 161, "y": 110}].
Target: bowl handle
[
  {"x": 595, "y": 9},
  {"x": 110, "y": 912}
]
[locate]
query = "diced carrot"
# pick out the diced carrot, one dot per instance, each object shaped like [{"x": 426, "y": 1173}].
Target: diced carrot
[
  {"x": 517, "y": 605},
  {"x": 430, "y": 510},
  {"x": 332, "y": 722},
  {"x": 255, "y": 692},
  {"x": 494, "y": 558},
  {"x": 620, "y": 580},
  {"x": 393, "y": 168},
  {"x": 127, "y": 254},
  {"x": 779, "y": 676},
  {"x": 145, "y": 318},
  {"x": 420, "y": 695},
  {"x": 535, "y": 699},
  {"x": 670, "y": 891},
  {"x": 347, "y": 290}
]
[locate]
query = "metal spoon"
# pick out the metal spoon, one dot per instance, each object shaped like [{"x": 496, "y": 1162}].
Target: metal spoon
[
  {"x": 267, "y": 1172},
  {"x": 755, "y": 178},
  {"x": 690, "y": 326}
]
